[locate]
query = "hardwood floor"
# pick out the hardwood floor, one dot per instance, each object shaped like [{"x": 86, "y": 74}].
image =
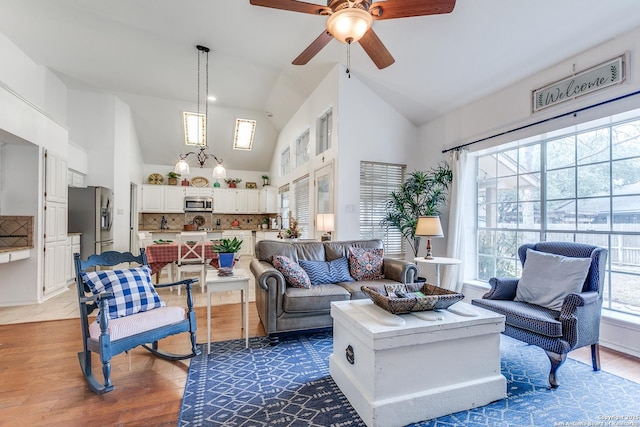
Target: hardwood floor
[{"x": 42, "y": 383}]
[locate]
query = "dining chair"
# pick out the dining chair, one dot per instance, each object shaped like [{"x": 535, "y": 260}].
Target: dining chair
[
  {"x": 191, "y": 255},
  {"x": 145, "y": 239}
]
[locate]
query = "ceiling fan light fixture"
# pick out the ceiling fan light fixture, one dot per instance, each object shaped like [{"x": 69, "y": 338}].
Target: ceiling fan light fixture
[{"x": 349, "y": 25}]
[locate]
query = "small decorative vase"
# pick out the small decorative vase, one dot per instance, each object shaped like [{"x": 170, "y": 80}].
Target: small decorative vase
[
  {"x": 216, "y": 184},
  {"x": 185, "y": 183},
  {"x": 225, "y": 260}
]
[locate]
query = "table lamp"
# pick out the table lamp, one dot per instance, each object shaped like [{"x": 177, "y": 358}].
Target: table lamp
[
  {"x": 429, "y": 226},
  {"x": 325, "y": 222}
]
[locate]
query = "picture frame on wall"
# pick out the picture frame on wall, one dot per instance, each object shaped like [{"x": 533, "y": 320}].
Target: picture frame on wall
[{"x": 250, "y": 185}]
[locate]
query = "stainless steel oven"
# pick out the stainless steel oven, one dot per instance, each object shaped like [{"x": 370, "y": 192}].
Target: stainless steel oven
[{"x": 198, "y": 204}]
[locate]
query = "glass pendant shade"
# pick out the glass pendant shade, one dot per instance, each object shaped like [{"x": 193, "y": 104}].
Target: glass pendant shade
[
  {"x": 182, "y": 167},
  {"x": 219, "y": 172},
  {"x": 349, "y": 25}
]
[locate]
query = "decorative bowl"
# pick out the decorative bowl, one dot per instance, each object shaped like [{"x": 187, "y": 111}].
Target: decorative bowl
[{"x": 432, "y": 298}]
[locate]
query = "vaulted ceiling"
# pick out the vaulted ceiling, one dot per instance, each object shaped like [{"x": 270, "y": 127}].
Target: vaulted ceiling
[{"x": 144, "y": 52}]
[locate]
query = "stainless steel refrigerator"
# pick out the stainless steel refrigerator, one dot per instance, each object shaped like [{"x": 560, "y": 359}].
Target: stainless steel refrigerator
[{"x": 90, "y": 213}]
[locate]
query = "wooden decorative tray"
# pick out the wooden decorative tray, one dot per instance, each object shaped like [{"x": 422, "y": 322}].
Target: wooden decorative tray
[{"x": 434, "y": 297}]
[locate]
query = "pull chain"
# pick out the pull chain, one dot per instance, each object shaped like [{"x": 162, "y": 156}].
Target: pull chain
[{"x": 348, "y": 57}]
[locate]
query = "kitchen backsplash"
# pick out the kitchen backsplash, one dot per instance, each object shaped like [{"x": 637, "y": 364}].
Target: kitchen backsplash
[
  {"x": 176, "y": 221},
  {"x": 16, "y": 231}
]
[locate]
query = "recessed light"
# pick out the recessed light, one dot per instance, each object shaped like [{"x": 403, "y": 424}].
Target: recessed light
[{"x": 211, "y": 98}]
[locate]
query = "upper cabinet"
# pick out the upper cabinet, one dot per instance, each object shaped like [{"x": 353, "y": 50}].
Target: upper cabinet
[
  {"x": 162, "y": 199},
  {"x": 55, "y": 178},
  {"x": 170, "y": 199}
]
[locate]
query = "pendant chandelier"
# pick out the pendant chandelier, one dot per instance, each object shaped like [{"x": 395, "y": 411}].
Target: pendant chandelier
[{"x": 195, "y": 128}]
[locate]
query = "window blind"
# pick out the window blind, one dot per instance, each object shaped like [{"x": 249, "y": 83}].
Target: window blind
[
  {"x": 301, "y": 205},
  {"x": 377, "y": 182}
]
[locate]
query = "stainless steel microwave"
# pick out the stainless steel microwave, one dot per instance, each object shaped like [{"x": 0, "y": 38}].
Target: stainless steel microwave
[{"x": 198, "y": 204}]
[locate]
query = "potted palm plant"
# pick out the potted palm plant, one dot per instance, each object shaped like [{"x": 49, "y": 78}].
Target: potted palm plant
[
  {"x": 226, "y": 250},
  {"x": 422, "y": 194}
]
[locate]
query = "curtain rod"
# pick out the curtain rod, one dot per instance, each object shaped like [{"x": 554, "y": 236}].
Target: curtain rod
[{"x": 574, "y": 112}]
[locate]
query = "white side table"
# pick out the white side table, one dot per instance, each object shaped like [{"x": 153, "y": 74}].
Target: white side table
[
  {"x": 238, "y": 282},
  {"x": 438, "y": 261}
]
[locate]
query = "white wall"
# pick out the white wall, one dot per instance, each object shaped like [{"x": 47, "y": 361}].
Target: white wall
[{"x": 368, "y": 130}]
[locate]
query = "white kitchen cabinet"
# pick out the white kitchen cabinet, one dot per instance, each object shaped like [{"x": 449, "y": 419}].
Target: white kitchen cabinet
[
  {"x": 55, "y": 263},
  {"x": 268, "y": 202},
  {"x": 75, "y": 179},
  {"x": 266, "y": 235},
  {"x": 162, "y": 198},
  {"x": 224, "y": 201},
  {"x": 253, "y": 201},
  {"x": 198, "y": 192},
  {"x": 152, "y": 199},
  {"x": 173, "y": 199},
  {"x": 55, "y": 225},
  {"x": 55, "y": 178}
]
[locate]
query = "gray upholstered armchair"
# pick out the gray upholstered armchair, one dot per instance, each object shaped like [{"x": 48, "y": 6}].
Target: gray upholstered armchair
[{"x": 574, "y": 322}]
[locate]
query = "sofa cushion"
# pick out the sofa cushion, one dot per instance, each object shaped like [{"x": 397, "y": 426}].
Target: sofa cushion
[
  {"x": 522, "y": 315},
  {"x": 317, "y": 298},
  {"x": 338, "y": 249},
  {"x": 293, "y": 274},
  {"x": 132, "y": 290},
  {"x": 548, "y": 278},
  {"x": 321, "y": 272},
  {"x": 140, "y": 322},
  {"x": 366, "y": 264}
]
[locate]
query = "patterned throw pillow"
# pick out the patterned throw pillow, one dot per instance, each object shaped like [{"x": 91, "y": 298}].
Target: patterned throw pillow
[
  {"x": 321, "y": 272},
  {"x": 132, "y": 290},
  {"x": 366, "y": 264},
  {"x": 292, "y": 272}
]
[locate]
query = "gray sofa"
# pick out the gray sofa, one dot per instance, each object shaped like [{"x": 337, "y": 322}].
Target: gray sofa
[{"x": 284, "y": 308}]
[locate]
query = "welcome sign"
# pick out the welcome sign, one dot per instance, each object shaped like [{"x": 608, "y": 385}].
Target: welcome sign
[{"x": 599, "y": 77}]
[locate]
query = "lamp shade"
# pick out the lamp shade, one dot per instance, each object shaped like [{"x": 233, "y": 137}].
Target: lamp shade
[
  {"x": 182, "y": 167},
  {"x": 349, "y": 24},
  {"x": 429, "y": 226},
  {"x": 325, "y": 222},
  {"x": 219, "y": 172}
]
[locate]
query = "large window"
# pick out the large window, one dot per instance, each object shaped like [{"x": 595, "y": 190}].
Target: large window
[
  {"x": 580, "y": 184},
  {"x": 301, "y": 202},
  {"x": 285, "y": 161},
  {"x": 377, "y": 182},
  {"x": 284, "y": 206}
]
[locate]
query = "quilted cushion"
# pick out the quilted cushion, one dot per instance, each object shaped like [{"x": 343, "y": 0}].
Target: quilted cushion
[
  {"x": 132, "y": 290},
  {"x": 321, "y": 272},
  {"x": 548, "y": 278},
  {"x": 137, "y": 323},
  {"x": 292, "y": 272},
  {"x": 366, "y": 264}
]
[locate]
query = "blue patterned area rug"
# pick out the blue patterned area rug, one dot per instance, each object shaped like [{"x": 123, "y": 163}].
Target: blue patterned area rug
[{"x": 289, "y": 385}]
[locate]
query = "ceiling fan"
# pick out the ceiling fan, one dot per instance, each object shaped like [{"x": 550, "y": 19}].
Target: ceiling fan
[{"x": 350, "y": 21}]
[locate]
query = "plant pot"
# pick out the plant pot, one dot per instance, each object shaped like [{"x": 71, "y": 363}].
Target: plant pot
[
  {"x": 225, "y": 260},
  {"x": 190, "y": 227},
  {"x": 232, "y": 185},
  {"x": 265, "y": 225},
  {"x": 172, "y": 181}
]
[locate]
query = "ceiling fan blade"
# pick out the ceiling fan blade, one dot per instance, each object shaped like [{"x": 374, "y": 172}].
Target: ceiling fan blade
[
  {"x": 294, "y": 6},
  {"x": 315, "y": 47},
  {"x": 376, "y": 50},
  {"x": 390, "y": 9}
]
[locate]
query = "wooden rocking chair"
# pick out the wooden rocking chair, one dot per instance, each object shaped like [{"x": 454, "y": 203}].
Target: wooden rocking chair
[{"x": 131, "y": 313}]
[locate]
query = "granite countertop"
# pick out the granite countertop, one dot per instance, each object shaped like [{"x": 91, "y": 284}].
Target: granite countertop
[{"x": 15, "y": 248}]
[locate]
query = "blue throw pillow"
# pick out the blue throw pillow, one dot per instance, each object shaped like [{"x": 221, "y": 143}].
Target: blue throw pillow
[
  {"x": 321, "y": 272},
  {"x": 132, "y": 290}
]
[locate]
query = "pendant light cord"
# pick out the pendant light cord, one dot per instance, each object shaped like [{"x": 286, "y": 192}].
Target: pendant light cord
[{"x": 349, "y": 57}]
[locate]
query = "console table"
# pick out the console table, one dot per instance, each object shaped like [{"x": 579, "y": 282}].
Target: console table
[{"x": 398, "y": 370}]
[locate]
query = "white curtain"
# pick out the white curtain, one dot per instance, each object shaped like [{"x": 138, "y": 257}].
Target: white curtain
[{"x": 453, "y": 275}]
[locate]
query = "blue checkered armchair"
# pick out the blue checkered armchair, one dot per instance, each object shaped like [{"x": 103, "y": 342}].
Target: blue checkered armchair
[{"x": 576, "y": 325}]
